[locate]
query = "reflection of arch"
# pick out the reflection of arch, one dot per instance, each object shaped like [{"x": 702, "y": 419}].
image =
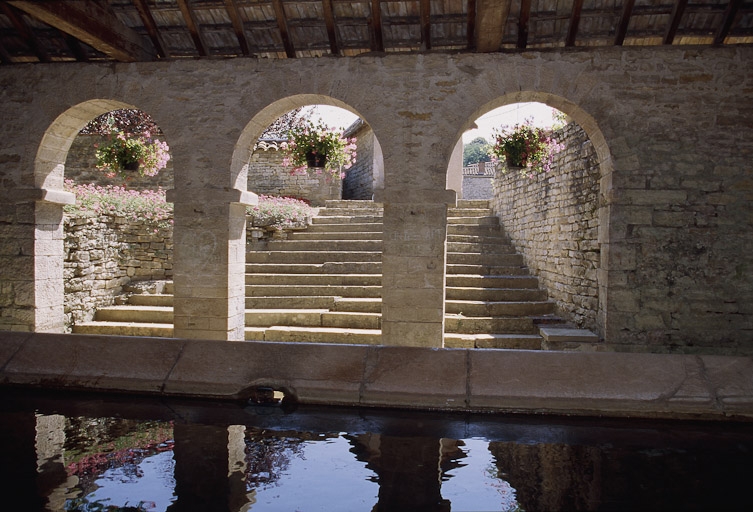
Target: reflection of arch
[
  {"x": 602, "y": 181},
  {"x": 262, "y": 119}
]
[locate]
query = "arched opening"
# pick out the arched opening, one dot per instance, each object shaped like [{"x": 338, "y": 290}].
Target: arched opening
[{"x": 553, "y": 216}]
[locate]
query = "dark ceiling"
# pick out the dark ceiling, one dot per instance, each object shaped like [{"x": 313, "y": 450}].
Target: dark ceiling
[{"x": 147, "y": 30}]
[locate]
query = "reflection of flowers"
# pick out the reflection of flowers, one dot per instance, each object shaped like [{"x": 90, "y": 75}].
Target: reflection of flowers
[
  {"x": 526, "y": 147},
  {"x": 318, "y": 147},
  {"x": 123, "y": 154}
]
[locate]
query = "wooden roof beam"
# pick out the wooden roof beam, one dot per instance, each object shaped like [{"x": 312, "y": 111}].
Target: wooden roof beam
[
  {"x": 235, "y": 18},
  {"x": 193, "y": 28},
  {"x": 425, "y": 10},
  {"x": 94, "y": 23},
  {"x": 730, "y": 17},
  {"x": 23, "y": 29},
  {"x": 329, "y": 21},
  {"x": 76, "y": 49},
  {"x": 471, "y": 28},
  {"x": 627, "y": 12},
  {"x": 282, "y": 25},
  {"x": 523, "y": 20},
  {"x": 677, "y": 11},
  {"x": 377, "y": 38},
  {"x": 151, "y": 28},
  {"x": 572, "y": 32},
  {"x": 491, "y": 18}
]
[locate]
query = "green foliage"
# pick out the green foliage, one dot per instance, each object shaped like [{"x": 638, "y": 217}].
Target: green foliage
[
  {"x": 477, "y": 150},
  {"x": 329, "y": 147},
  {"x": 525, "y": 146},
  {"x": 124, "y": 154}
]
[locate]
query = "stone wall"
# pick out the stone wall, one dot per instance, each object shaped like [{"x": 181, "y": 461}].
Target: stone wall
[
  {"x": 105, "y": 253},
  {"x": 552, "y": 219},
  {"x": 359, "y": 179},
  {"x": 478, "y": 181},
  {"x": 80, "y": 167}
]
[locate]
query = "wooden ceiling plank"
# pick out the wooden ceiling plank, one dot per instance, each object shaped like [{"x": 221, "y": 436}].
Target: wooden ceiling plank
[
  {"x": 471, "y": 27},
  {"x": 377, "y": 39},
  {"x": 730, "y": 17},
  {"x": 193, "y": 27},
  {"x": 235, "y": 19},
  {"x": 151, "y": 28},
  {"x": 523, "y": 20},
  {"x": 94, "y": 23},
  {"x": 282, "y": 25},
  {"x": 572, "y": 32},
  {"x": 425, "y": 10},
  {"x": 329, "y": 21},
  {"x": 491, "y": 18},
  {"x": 677, "y": 11},
  {"x": 26, "y": 34},
  {"x": 627, "y": 12}
]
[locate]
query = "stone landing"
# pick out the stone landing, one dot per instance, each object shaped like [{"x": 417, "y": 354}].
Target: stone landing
[{"x": 582, "y": 383}]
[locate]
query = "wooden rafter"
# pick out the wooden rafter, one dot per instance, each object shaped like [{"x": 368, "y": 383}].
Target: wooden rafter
[
  {"x": 282, "y": 25},
  {"x": 523, "y": 20},
  {"x": 329, "y": 21},
  {"x": 23, "y": 30},
  {"x": 572, "y": 32},
  {"x": 76, "y": 49},
  {"x": 730, "y": 15},
  {"x": 151, "y": 28},
  {"x": 377, "y": 39},
  {"x": 193, "y": 27},
  {"x": 627, "y": 12},
  {"x": 471, "y": 28},
  {"x": 425, "y": 9},
  {"x": 491, "y": 18},
  {"x": 94, "y": 23},
  {"x": 235, "y": 19},
  {"x": 677, "y": 12}
]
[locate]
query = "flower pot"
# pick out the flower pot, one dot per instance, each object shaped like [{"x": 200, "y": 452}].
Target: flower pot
[
  {"x": 316, "y": 160},
  {"x": 131, "y": 166},
  {"x": 511, "y": 163}
]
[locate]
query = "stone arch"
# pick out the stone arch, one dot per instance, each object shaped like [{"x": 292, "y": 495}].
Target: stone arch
[
  {"x": 605, "y": 165},
  {"x": 266, "y": 116},
  {"x": 49, "y": 197}
]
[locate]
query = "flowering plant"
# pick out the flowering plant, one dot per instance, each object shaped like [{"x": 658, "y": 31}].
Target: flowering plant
[
  {"x": 124, "y": 152},
  {"x": 525, "y": 146},
  {"x": 316, "y": 146},
  {"x": 280, "y": 212}
]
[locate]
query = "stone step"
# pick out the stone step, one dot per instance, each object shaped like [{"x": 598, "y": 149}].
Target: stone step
[
  {"x": 155, "y": 330},
  {"x": 331, "y": 218},
  {"x": 487, "y": 270},
  {"x": 327, "y": 246},
  {"x": 372, "y": 267},
  {"x": 336, "y": 235},
  {"x": 352, "y": 203},
  {"x": 360, "y": 227},
  {"x": 488, "y": 220},
  {"x": 469, "y": 212},
  {"x": 478, "y": 308},
  {"x": 256, "y": 290},
  {"x": 477, "y": 281},
  {"x": 470, "y": 258},
  {"x": 312, "y": 318},
  {"x": 315, "y": 335},
  {"x": 151, "y": 299},
  {"x": 488, "y": 325},
  {"x": 292, "y": 302},
  {"x": 314, "y": 279},
  {"x": 495, "y": 294},
  {"x": 358, "y": 304},
  {"x": 480, "y": 239},
  {"x": 142, "y": 314},
  {"x": 473, "y": 203},
  {"x": 502, "y": 341},
  {"x": 312, "y": 257},
  {"x": 479, "y": 248},
  {"x": 474, "y": 229}
]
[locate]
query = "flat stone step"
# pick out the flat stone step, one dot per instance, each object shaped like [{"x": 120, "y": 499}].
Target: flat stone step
[
  {"x": 336, "y": 235},
  {"x": 125, "y": 329},
  {"x": 359, "y": 227},
  {"x": 316, "y": 335},
  {"x": 292, "y": 302},
  {"x": 142, "y": 314},
  {"x": 151, "y": 299},
  {"x": 473, "y": 203},
  {"x": 325, "y": 245},
  {"x": 312, "y": 318},
  {"x": 474, "y": 229},
  {"x": 566, "y": 337},
  {"x": 477, "y": 281},
  {"x": 256, "y": 290},
  {"x": 487, "y": 220},
  {"x": 480, "y": 239},
  {"x": 489, "y": 325},
  {"x": 333, "y": 267},
  {"x": 495, "y": 294},
  {"x": 333, "y": 218},
  {"x": 487, "y": 270},
  {"x": 470, "y": 258},
  {"x": 469, "y": 212},
  {"x": 314, "y": 279},
  {"x": 309, "y": 257},
  {"x": 473, "y": 308},
  {"x": 352, "y": 203},
  {"x": 499, "y": 341},
  {"x": 358, "y": 304},
  {"x": 479, "y": 248}
]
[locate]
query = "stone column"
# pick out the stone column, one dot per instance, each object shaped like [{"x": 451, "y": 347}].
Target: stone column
[
  {"x": 209, "y": 261},
  {"x": 413, "y": 266}
]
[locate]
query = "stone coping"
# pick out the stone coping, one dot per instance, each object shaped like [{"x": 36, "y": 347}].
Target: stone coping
[{"x": 471, "y": 380}]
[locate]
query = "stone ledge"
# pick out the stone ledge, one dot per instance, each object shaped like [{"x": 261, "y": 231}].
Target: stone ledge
[{"x": 603, "y": 384}]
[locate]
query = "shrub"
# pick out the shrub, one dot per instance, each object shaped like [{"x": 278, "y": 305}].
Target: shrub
[
  {"x": 148, "y": 205},
  {"x": 279, "y": 212}
]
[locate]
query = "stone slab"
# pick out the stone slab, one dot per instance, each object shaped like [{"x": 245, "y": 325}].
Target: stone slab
[{"x": 553, "y": 333}]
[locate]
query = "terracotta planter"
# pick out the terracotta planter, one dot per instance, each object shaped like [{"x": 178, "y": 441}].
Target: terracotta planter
[
  {"x": 316, "y": 160},
  {"x": 515, "y": 165}
]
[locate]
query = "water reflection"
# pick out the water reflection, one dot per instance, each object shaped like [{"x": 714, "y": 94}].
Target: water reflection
[{"x": 99, "y": 456}]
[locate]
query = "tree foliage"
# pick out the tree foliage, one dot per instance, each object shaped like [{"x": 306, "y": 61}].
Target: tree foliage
[
  {"x": 130, "y": 121},
  {"x": 477, "y": 150},
  {"x": 285, "y": 123}
]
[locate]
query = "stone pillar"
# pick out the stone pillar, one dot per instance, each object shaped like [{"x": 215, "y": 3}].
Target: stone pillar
[
  {"x": 455, "y": 170},
  {"x": 54, "y": 482},
  {"x": 209, "y": 468},
  {"x": 413, "y": 266},
  {"x": 209, "y": 261}
]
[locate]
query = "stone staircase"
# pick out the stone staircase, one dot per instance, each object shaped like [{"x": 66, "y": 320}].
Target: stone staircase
[{"x": 324, "y": 285}]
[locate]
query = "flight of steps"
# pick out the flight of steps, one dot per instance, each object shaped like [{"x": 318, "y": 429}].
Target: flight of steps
[{"x": 324, "y": 285}]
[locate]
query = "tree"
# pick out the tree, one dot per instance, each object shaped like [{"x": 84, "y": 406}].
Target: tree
[
  {"x": 127, "y": 120},
  {"x": 282, "y": 125},
  {"x": 477, "y": 150}
]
